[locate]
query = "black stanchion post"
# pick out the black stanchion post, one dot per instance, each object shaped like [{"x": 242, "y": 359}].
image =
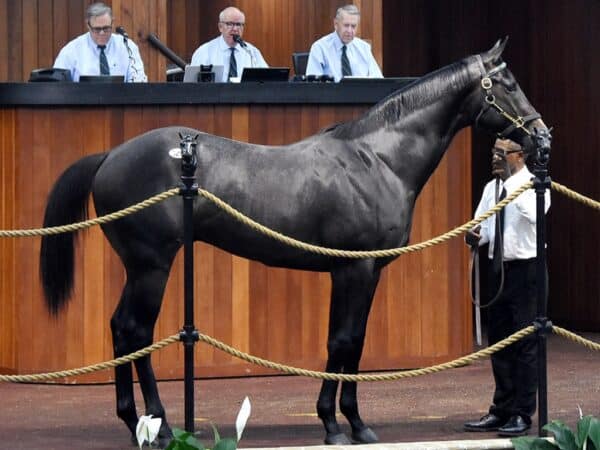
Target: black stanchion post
[
  {"x": 189, "y": 334},
  {"x": 541, "y": 182}
]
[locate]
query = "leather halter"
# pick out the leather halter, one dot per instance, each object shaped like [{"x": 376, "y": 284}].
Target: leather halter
[{"x": 490, "y": 102}]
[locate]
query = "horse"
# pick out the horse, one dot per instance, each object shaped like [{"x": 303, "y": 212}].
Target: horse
[{"x": 352, "y": 186}]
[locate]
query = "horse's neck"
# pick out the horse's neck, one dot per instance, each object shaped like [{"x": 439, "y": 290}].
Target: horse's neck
[{"x": 421, "y": 122}]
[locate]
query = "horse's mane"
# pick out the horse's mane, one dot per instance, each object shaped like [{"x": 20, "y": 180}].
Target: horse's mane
[{"x": 416, "y": 95}]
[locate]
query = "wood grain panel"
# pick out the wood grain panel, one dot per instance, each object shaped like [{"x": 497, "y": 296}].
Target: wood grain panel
[{"x": 419, "y": 315}]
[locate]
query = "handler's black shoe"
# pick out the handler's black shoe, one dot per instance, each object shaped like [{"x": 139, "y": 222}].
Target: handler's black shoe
[
  {"x": 516, "y": 426},
  {"x": 489, "y": 422}
]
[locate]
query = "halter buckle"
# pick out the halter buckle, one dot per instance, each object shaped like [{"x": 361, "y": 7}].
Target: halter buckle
[{"x": 486, "y": 83}]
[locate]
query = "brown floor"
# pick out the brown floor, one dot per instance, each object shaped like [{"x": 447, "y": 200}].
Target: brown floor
[{"x": 427, "y": 408}]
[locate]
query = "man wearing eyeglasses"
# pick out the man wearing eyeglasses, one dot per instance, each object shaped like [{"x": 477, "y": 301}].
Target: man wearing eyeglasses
[
  {"x": 99, "y": 52},
  {"x": 514, "y": 367},
  {"x": 341, "y": 53},
  {"x": 228, "y": 49}
]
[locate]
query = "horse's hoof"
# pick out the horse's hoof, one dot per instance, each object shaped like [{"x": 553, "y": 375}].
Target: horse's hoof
[
  {"x": 337, "y": 439},
  {"x": 364, "y": 436}
]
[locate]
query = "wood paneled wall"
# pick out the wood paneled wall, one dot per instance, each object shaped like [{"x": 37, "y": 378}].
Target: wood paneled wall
[
  {"x": 421, "y": 314},
  {"x": 553, "y": 55}
]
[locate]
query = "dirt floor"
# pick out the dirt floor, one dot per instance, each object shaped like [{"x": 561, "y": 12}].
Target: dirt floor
[{"x": 426, "y": 408}]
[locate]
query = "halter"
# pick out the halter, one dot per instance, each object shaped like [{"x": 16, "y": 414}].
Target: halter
[{"x": 490, "y": 100}]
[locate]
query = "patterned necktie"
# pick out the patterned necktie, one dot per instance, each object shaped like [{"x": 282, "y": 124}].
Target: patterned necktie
[
  {"x": 104, "y": 69},
  {"x": 232, "y": 64},
  {"x": 346, "y": 70},
  {"x": 498, "y": 239}
]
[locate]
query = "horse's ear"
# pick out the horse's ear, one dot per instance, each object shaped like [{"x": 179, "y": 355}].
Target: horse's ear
[{"x": 496, "y": 51}]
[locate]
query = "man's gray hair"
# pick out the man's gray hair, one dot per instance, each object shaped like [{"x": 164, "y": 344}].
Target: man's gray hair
[
  {"x": 98, "y": 9},
  {"x": 229, "y": 8},
  {"x": 348, "y": 9}
]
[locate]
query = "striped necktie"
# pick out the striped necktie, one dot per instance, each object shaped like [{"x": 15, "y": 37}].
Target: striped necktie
[
  {"x": 104, "y": 69},
  {"x": 346, "y": 70},
  {"x": 232, "y": 64}
]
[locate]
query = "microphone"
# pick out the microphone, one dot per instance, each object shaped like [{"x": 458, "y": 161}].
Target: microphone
[
  {"x": 120, "y": 30},
  {"x": 237, "y": 38}
]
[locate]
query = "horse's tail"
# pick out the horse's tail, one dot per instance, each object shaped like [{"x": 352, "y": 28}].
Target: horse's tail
[{"x": 67, "y": 203}]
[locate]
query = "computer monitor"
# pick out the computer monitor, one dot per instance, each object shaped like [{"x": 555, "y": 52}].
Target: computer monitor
[
  {"x": 262, "y": 74},
  {"x": 192, "y": 72}
]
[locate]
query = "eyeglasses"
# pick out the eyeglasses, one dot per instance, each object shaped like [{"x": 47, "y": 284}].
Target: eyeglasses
[
  {"x": 234, "y": 24},
  {"x": 98, "y": 30},
  {"x": 503, "y": 152}
]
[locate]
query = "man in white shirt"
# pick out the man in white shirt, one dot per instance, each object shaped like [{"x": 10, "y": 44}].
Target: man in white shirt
[
  {"x": 99, "y": 52},
  {"x": 341, "y": 53},
  {"x": 228, "y": 49},
  {"x": 514, "y": 367}
]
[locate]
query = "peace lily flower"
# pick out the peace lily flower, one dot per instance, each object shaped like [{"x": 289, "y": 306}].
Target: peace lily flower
[
  {"x": 147, "y": 429},
  {"x": 242, "y": 418}
]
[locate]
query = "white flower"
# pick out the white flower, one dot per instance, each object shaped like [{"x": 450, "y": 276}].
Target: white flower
[
  {"x": 242, "y": 418},
  {"x": 147, "y": 429}
]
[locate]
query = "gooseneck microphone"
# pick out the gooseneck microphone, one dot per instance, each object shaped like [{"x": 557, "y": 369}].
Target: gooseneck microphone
[
  {"x": 237, "y": 38},
  {"x": 120, "y": 30}
]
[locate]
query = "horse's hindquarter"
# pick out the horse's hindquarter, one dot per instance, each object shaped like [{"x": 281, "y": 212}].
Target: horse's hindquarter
[{"x": 319, "y": 190}]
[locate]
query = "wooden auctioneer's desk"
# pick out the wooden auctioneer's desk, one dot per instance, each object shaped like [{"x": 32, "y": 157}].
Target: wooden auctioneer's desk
[{"x": 421, "y": 314}]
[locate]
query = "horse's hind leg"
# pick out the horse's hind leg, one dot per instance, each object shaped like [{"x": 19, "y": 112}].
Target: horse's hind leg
[
  {"x": 353, "y": 285},
  {"x": 133, "y": 327}
]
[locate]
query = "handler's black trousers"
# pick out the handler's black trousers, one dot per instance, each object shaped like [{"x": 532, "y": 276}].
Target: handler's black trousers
[{"x": 514, "y": 367}]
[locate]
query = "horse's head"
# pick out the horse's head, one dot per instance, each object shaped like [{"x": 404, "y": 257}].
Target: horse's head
[{"x": 502, "y": 106}]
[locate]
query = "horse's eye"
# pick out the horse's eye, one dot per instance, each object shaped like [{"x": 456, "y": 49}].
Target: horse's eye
[{"x": 511, "y": 87}]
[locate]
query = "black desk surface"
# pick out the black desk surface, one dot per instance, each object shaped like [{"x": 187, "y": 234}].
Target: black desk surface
[{"x": 93, "y": 94}]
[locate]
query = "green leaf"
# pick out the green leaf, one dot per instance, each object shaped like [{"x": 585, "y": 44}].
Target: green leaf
[
  {"x": 595, "y": 432},
  {"x": 193, "y": 443},
  {"x": 532, "y": 443},
  {"x": 226, "y": 444},
  {"x": 564, "y": 437},
  {"x": 583, "y": 430},
  {"x": 216, "y": 433}
]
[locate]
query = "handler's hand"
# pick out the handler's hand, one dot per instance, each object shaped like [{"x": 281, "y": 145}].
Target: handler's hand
[{"x": 472, "y": 237}]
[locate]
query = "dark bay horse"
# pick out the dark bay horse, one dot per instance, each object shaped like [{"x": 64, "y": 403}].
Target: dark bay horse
[{"x": 352, "y": 186}]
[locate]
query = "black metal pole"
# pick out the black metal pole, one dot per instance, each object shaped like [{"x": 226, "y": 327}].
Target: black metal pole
[
  {"x": 189, "y": 335},
  {"x": 542, "y": 182}
]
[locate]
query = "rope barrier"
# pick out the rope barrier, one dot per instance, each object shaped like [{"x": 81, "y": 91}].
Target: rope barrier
[
  {"x": 358, "y": 254},
  {"x": 93, "y": 368},
  {"x": 89, "y": 223},
  {"x": 389, "y": 376},
  {"x": 575, "y": 196}
]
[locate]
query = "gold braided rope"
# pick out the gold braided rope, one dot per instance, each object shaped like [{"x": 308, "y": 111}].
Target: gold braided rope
[
  {"x": 96, "y": 221},
  {"x": 390, "y": 376},
  {"x": 576, "y": 338},
  {"x": 93, "y": 368},
  {"x": 575, "y": 196},
  {"x": 358, "y": 254}
]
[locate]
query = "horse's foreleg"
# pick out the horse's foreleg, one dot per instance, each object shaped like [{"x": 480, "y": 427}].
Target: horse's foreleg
[{"x": 361, "y": 289}]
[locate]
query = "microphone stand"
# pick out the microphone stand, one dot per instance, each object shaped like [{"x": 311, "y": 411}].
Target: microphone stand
[{"x": 132, "y": 61}]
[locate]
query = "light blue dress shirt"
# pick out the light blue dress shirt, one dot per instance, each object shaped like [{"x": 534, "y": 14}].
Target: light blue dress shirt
[
  {"x": 326, "y": 53},
  {"x": 217, "y": 53},
  {"x": 82, "y": 57}
]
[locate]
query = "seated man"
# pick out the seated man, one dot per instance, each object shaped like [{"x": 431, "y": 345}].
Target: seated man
[
  {"x": 228, "y": 49},
  {"x": 98, "y": 52},
  {"x": 341, "y": 53}
]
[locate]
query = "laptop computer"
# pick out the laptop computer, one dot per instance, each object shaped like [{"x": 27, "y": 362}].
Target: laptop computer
[
  {"x": 102, "y": 78},
  {"x": 191, "y": 74},
  {"x": 262, "y": 74}
]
